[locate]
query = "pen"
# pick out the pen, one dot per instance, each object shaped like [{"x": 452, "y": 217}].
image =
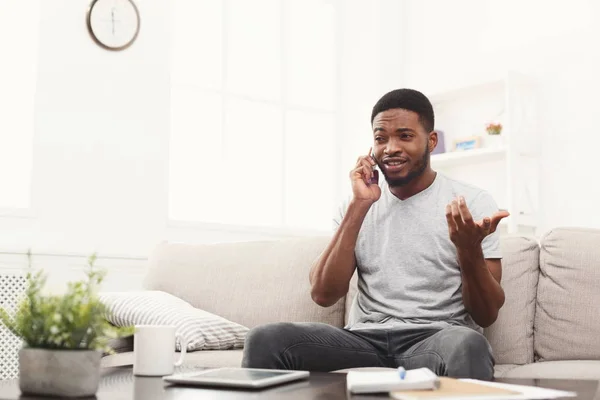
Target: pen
[{"x": 402, "y": 372}]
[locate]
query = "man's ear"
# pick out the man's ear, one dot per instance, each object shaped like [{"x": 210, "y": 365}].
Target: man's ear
[{"x": 433, "y": 140}]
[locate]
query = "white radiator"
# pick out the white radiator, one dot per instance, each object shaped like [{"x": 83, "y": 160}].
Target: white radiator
[{"x": 12, "y": 287}]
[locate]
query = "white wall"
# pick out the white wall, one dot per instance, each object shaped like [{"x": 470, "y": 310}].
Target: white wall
[
  {"x": 101, "y": 119},
  {"x": 101, "y": 125},
  {"x": 100, "y": 148},
  {"x": 463, "y": 41},
  {"x": 372, "y": 35}
]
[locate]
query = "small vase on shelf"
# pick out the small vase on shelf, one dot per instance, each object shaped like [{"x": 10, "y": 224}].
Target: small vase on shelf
[
  {"x": 493, "y": 141},
  {"x": 494, "y": 138}
]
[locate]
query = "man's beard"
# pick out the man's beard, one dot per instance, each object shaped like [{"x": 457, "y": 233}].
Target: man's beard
[{"x": 417, "y": 171}]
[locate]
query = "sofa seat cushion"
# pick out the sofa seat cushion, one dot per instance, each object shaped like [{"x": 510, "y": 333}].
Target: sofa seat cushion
[
  {"x": 568, "y": 369},
  {"x": 566, "y": 318},
  {"x": 204, "y": 358},
  {"x": 500, "y": 370}
]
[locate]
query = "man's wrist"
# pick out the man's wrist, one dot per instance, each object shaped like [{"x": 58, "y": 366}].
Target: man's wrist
[
  {"x": 474, "y": 248},
  {"x": 360, "y": 205},
  {"x": 356, "y": 213},
  {"x": 470, "y": 255}
]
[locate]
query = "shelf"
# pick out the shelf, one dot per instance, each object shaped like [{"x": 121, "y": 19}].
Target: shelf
[{"x": 467, "y": 157}]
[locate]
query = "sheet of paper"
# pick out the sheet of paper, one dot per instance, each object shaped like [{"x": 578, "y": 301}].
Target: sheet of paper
[
  {"x": 523, "y": 392},
  {"x": 527, "y": 392}
]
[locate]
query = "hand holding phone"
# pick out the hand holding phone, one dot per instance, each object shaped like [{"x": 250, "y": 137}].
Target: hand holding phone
[{"x": 365, "y": 179}]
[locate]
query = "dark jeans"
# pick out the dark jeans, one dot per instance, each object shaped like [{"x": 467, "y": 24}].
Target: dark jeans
[{"x": 458, "y": 352}]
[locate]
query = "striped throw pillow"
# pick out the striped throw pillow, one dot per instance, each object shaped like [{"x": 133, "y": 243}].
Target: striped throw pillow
[{"x": 203, "y": 330}]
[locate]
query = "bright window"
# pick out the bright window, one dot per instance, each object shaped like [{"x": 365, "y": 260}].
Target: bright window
[{"x": 253, "y": 112}]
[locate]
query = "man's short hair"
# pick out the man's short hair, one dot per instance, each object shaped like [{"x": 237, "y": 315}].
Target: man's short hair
[{"x": 407, "y": 99}]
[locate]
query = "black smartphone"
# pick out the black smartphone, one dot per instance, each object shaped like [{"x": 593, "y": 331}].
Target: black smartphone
[{"x": 375, "y": 178}]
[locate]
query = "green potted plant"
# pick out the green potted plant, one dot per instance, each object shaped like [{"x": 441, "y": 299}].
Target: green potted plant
[{"x": 63, "y": 335}]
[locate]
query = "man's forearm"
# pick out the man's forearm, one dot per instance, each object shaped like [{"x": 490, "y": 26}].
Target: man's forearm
[
  {"x": 331, "y": 274},
  {"x": 482, "y": 294}
]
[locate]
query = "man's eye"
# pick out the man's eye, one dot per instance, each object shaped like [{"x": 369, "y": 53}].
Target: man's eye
[{"x": 379, "y": 139}]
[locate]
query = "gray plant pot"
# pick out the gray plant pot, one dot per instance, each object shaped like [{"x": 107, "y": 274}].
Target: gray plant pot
[{"x": 65, "y": 373}]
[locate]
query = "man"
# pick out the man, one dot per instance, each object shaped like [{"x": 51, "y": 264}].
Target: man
[{"x": 428, "y": 260}]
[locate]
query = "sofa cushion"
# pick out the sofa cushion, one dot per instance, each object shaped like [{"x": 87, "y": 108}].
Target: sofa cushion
[
  {"x": 500, "y": 370},
  {"x": 352, "y": 291},
  {"x": 202, "y": 330},
  {"x": 511, "y": 336},
  {"x": 566, "y": 321},
  {"x": 572, "y": 369},
  {"x": 252, "y": 283},
  {"x": 204, "y": 358}
]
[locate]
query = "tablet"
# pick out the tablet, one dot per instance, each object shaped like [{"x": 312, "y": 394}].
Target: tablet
[{"x": 251, "y": 378}]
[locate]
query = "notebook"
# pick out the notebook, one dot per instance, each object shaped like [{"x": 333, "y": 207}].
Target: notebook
[
  {"x": 387, "y": 381},
  {"x": 453, "y": 388},
  {"x": 472, "y": 389}
]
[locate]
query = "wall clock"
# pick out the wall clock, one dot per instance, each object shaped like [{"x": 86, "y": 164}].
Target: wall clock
[{"x": 113, "y": 24}]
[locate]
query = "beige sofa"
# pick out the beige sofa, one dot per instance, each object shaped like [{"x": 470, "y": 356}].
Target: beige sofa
[{"x": 549, "y": 326}]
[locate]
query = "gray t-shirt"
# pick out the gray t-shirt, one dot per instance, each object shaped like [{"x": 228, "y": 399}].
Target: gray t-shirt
[{"x": 408, "y": 271}]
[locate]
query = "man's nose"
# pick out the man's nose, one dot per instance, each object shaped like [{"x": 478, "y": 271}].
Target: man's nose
[{"x": 394, "y": 146}]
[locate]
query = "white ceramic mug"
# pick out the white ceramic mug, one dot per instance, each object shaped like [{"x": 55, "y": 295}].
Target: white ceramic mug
[{"x": 153, "y": 348}]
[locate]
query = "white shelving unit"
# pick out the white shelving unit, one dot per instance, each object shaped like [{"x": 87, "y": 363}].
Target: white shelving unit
[
  {"x": 509, "y": 168},
  {"x": 470, "y": 157}
]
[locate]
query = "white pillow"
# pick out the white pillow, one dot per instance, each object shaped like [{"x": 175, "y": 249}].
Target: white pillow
[{"x": 203, "y": 330}]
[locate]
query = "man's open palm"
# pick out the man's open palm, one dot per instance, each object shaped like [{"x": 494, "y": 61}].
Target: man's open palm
[{"x": 463, "y": 230}]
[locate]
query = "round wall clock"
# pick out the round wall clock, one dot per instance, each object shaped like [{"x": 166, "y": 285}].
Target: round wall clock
[{"x": 113, "y": 24}]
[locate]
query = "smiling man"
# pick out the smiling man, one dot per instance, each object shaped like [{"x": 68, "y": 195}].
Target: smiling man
[{"x": 428, "y": 259}]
